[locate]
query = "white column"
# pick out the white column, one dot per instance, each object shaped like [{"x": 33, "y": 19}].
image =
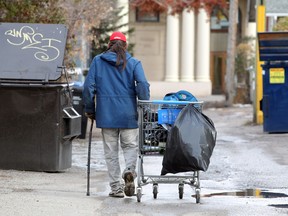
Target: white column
[
  {"x": 124, "y": 4},
  {"x": 203, "y": 47},
  {"x": 172, "y": 48},
  {"x": 187, "y": 46}
]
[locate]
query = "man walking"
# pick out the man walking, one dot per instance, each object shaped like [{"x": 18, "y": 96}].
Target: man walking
[{"x": 116, "y": 80}]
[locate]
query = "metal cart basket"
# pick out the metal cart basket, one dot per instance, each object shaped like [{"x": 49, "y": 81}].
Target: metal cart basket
[{"x": 155, "y": 119}]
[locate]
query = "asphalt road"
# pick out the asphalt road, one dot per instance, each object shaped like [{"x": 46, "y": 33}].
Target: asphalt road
[{"x": 247, "y": 176}]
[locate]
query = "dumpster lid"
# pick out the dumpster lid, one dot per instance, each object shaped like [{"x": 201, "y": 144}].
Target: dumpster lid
[
  {"x": 31, "y": 51},
  {"x": 273, "y": 46}
]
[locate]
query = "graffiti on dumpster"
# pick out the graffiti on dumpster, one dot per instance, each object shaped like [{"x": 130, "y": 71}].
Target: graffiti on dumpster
[
  {"x": 32, "y": 51},
  {"x": 27, "y": 38}
]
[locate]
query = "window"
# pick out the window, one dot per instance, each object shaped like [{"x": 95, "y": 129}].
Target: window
[
  {"x": 143, "y": 16},
  {"x": 219, "y": 21}
]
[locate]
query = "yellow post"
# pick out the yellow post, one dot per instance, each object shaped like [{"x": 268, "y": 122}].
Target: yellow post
[{"x": 259, "y": 81}]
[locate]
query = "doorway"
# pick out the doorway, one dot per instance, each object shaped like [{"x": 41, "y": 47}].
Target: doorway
[{"x": 218, "y": 71}]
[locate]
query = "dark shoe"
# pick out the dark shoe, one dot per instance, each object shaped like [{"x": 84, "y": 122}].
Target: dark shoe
[
  {"x": 118, "y": 193},
  {"x": 129, "y": 188}
]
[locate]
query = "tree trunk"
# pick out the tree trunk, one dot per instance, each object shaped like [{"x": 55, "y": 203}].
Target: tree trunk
[{"x": 231, "y": 52}]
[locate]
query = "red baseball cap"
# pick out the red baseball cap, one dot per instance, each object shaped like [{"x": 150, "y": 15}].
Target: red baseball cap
[{"x": 117, "y": 36}]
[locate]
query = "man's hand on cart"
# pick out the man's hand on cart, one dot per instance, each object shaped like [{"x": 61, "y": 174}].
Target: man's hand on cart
[{"x": 90, "y": 115}]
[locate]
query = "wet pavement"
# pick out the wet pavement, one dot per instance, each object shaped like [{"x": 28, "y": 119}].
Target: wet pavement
[{"x": 247, "y": 176}]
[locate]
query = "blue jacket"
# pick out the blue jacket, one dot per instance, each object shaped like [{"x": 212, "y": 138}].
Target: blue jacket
[{"x": 116, "y": 91}]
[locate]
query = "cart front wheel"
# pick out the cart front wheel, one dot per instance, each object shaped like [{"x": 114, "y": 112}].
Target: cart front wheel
[
  {"x": 181, "y": 190},
  {"x": 155, "y": 190},
  {"x": 139, "y": 194},
  {"x": 197, "y": 195}
]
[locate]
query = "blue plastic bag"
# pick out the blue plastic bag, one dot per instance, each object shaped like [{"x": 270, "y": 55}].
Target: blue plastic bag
[{"x": 181, "y": 95}]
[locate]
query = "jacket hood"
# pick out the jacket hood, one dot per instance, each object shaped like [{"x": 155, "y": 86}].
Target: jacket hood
[{"x": 111, "y": 57}]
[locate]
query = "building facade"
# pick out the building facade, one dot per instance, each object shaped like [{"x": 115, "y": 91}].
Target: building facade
[
  {"x": 185, "y": 51},
  {"x": 275, "y": 9}
]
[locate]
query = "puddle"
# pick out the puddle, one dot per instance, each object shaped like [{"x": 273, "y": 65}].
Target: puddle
[
  {"x": 249, "y": 193},
  {"x": 279, "y": 205},
  {"x": 252, "y": 193}
]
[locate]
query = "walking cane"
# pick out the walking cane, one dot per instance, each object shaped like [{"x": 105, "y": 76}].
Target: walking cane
[{"x": 89, "y": 156}]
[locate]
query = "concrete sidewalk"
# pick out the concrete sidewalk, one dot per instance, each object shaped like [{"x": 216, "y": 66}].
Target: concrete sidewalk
[
  {"x": 244, "y": 158},
  {"x": 215, "y": 101}
]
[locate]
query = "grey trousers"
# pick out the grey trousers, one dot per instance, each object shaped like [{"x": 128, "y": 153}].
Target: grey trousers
[{"x": 128, "y": 139}]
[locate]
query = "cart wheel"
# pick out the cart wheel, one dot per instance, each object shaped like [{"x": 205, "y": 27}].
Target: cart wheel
[
  {"x": 181, "y": 190},
  {"x": 139, "y": 194},
  {"x": 155, "y": 190},
  {"x": 197, "y": 196}
]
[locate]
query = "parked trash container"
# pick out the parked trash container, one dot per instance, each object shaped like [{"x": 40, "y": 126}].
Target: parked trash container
[
  {"x": 37, "y": 119},
  {"x": 79, "y": 107},
  {"x": 273, "y": 50}
]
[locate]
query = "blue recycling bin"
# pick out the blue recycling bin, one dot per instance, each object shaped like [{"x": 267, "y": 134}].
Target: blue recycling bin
[{"x": 273, "y": 50}]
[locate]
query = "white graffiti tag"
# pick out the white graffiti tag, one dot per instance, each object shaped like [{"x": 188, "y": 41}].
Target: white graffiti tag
[{"x": 27, "y": 38}]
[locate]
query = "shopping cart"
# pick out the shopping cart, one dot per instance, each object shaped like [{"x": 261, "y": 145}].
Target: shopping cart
[{"x": 155, "y": 119}]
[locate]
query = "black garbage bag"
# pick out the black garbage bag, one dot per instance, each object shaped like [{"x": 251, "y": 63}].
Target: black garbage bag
[{"x": 190, "y": 142}]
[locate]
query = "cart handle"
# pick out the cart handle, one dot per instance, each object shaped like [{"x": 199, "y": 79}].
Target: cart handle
[{"x": 170, "y": 102}]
